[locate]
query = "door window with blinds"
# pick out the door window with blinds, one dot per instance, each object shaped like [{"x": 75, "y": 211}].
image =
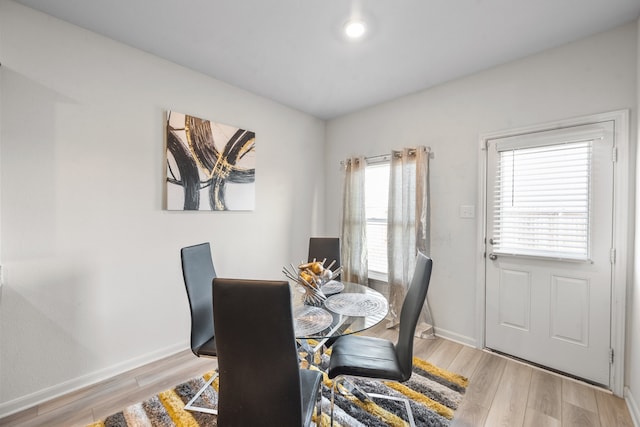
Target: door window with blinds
[{"x": 542, "y": 199}]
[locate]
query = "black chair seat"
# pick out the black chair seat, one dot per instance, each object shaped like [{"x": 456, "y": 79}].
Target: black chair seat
[
  {"x": 365, "y": 357},
  {"x": 207, "y": 349}
]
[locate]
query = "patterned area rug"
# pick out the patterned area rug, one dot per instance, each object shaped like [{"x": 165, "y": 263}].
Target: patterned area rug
[{"x": 434, "y": 394}]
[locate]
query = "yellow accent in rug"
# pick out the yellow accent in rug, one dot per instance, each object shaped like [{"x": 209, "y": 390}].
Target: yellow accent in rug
[
  {"x": 175, "y": 408},
  {"x": 449, "y": 376},
  {"x": 418, "y": 397},
  {"x": 325, "y": 421}
]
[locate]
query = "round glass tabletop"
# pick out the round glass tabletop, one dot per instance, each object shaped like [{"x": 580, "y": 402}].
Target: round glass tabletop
[{"x": 352, "y": 309}]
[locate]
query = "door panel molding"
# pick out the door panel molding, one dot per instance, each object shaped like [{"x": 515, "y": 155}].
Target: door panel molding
[
  {"x": 568, "y": 311},
  {"x": 518, "y": 289},
  {"x": 621, "y": 225}
]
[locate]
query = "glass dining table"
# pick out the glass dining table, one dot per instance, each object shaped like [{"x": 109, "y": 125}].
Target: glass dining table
[{"x": 349, "y": 308}]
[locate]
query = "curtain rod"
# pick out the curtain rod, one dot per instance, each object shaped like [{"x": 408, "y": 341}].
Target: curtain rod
[{"x": 397, "y": 154}]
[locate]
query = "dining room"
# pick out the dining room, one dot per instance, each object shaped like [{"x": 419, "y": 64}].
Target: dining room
[{"x": 91, "y": 287}]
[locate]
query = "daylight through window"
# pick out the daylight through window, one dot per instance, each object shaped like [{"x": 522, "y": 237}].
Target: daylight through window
[{"x": 376, "y": 202}]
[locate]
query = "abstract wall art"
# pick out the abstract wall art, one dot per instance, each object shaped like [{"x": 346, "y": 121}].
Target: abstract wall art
[{"x": 210, "y": 166}]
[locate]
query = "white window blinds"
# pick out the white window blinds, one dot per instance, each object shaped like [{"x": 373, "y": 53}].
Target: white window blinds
[
  {"x": 542, "y": 201},
  {"x": 376, "y": 208}
]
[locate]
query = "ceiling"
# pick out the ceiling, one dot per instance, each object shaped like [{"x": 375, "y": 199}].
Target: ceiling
[{"x": 293, "y": 51}]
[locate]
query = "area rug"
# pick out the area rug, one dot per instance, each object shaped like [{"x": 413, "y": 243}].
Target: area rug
[{"x": 434, "y": 395}]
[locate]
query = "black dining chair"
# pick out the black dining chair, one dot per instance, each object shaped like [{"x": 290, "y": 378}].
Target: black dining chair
[
  {"x": 261, "y": 382},
  {"x": 198, "y": 273},
  {"x": 325, "y": 247},
  {"x": 371, "y": 357},
  {"x": 319, "y": 249}
]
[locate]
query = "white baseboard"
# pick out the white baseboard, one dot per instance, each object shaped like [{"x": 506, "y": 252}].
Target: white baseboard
[
  {"x": 30, "y": 400},
  {"x": 452, "y": 336},
  {"x": 632, "y": 404}
]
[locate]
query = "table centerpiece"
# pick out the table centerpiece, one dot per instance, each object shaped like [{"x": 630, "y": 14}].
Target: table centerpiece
[{"x": 311, "y": 276}]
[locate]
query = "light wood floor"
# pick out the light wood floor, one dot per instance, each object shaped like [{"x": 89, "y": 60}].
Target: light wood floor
[{"x": 501, "y": 392}]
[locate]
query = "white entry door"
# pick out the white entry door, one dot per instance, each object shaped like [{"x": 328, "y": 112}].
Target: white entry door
[{"x": 549, "y": 248}]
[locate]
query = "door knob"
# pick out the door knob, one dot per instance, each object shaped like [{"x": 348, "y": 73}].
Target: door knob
[{"x": 493, "y": 257}]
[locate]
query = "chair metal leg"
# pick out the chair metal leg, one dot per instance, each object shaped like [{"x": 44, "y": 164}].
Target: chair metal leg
[
  {"x": 333, "y": 392},
  {"x": 350, "y": 386},
  {"x": 319, "y": 406},
  {"x": 412, "y": 423},
  {"x": 304, "y": 346},
  {"x": 189, "y": 406}
]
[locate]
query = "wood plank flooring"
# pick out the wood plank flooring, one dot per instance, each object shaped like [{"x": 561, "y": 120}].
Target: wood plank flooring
[{"x": 501, "y": 392}]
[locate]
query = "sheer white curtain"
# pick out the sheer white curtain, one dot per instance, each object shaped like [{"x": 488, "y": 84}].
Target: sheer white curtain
[
  {"x": 408, "y": 226},
  {"x": 354, "y": 223}
]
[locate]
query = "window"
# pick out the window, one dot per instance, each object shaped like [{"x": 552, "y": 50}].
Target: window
[
  {"x": 542, "y": 201},
  {"x": 376, "y": 202}
]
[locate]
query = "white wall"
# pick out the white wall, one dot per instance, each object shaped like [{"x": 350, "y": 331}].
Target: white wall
[
  {"x": 94, "y": 280},
  {"x": 593, "y": 75},
  {"x": 632, "y": 379}
]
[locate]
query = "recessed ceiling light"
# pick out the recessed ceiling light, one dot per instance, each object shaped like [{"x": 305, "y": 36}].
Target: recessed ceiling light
[{"x": 354, "y": 29}]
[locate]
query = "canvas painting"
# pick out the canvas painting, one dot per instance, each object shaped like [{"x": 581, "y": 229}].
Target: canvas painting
[{"x": 210, "y": 166}]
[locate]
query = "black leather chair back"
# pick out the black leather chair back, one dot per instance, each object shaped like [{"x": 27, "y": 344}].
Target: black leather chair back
[
  {"x": 411, "y": 308},
  {"x": 325, "y": 247},
  {"x": 198, "y": 273},
  {"x": 257, "y": 357}
]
